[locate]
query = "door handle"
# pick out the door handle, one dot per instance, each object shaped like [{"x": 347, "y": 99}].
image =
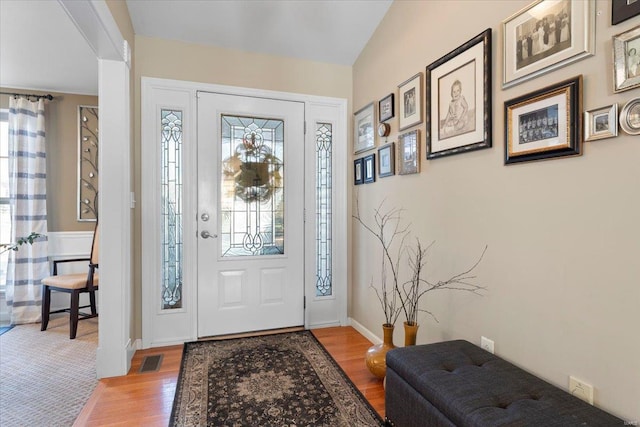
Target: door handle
[
  {"x": 205, "y": 217},
  {"x": 205, "y": 234}
]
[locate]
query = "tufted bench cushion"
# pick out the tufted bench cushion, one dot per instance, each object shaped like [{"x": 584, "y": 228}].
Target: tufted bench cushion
[{"x": 456, "y": 383}]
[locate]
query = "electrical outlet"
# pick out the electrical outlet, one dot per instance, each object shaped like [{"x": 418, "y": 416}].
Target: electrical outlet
[
  {"x": 581, "y": 390},
  {"x": 486, "y": 344}
]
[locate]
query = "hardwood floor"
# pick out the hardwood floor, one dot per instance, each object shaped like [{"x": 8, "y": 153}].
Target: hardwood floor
[{"x": 146, "y": 399}]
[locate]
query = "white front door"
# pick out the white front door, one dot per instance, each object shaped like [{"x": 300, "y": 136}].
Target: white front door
[{"x": 250, "y": 214}]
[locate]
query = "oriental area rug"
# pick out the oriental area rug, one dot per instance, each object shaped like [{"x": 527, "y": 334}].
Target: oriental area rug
[{"x": 285, "y": 379}]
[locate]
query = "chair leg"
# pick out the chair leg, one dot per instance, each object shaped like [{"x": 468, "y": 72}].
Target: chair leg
[
  {"x": 46, "y": 307},
  {"x": 92, "y": 299},
  {"x": 73, "y": 318}
]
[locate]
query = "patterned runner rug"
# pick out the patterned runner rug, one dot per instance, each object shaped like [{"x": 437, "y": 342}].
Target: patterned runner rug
[{"x": 275, "y": 380}]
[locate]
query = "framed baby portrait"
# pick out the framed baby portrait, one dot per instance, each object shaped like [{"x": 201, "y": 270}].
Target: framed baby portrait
[
  {"x": 544, "y": 36},
  {"x": 410, "y": 102},
  {"x": 626, "y": 60},
  {"x": 459, "y": 99},
  {"x": 544, "y": 124}
]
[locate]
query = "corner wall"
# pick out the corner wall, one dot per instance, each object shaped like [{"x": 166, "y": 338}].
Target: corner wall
[{"x": 562, "y": 267}]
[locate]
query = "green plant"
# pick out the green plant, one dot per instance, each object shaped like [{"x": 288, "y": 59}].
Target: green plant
[{"x": 21, "y": 241}]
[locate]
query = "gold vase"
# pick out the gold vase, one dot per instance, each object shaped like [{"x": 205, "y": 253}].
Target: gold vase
[
  {"x": 410, "y": 333},
  {"x": 377, "y": 354}
]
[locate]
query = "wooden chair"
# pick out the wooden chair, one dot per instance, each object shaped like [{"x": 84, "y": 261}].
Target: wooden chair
[{"x": 74, "y": 284}]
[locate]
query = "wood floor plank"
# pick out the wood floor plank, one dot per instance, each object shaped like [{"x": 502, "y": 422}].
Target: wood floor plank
[{"x": 146, "y": 399}]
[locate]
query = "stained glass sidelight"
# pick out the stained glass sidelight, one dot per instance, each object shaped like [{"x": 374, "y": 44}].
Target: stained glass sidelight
[
  {"x": 252, "y": 186},
  {"x": 323, "y": 209},
  {"x": 171, "y": 183}
]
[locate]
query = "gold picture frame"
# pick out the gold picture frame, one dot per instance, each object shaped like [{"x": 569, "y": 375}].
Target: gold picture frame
[{"x": 544, "y": 124}]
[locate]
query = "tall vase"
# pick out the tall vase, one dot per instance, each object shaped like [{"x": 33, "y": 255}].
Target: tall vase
[
  {"x": 377, "y": 354},
  {"x": 410, "y": 333}
]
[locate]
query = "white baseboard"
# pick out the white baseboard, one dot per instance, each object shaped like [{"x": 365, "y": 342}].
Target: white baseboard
[
  {"x": 324, "y": 325},
  {"x": 132, "y": 348},
  {"x": 364, "y": 331}
]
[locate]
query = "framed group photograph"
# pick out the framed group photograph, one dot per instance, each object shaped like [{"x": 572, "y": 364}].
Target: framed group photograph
[
  {"x": 369, "y": 168},
  {"x": 410, "y": 102},
  {"x": 626, "y": 60},
  {"x": 630, "y": 117},
  {"x": 459, "y": 99},
  {"x": 386, "y": 160},
  {"x": 385, "y": 108},
  {"x": 621, "y": 10},
  {"x": 409, "y": 153},
  {"x": 544, "y": 124},
  {"x": 364, "y": 129},
  {"x": 358, "y": 175},
  {"x": 544, "y": 36},
  {"x": 601, "y": 123}
]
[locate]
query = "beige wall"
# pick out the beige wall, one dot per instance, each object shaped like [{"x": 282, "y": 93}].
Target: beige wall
[
  {"x": 562, "y": 268},
  {"x": 207, "y": 64},
  {"x": 62, "y": 157}
]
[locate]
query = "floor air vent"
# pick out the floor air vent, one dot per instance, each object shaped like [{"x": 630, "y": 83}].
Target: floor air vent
[{"x": 151, "y": 363}]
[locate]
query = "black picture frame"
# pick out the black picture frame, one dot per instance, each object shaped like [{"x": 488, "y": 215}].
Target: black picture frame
[
  {"x": 358, "y": 172},
  {"x": 369, "y": 168},
  {"x": 386, "y": 109},
  {"x": 544, "y": 124},
  {"x": 621, "y": 10},
  {"x": 454, "y": 125}
]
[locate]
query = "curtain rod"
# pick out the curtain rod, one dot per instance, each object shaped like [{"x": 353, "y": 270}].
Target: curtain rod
[{"x": 27, "y": 95}]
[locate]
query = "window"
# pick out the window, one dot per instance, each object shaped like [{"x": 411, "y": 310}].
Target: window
[
  {"x": 5, "y": 217},
  {"x": 171, "y": 183}
]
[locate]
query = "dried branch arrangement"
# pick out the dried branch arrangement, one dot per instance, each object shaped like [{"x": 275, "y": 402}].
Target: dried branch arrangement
[{"x": 398, "y": 297}]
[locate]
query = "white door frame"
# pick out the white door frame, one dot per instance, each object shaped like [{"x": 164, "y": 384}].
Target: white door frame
[
  {"x": 96, "y": 23},
  {"x": 155, "y": 93}
]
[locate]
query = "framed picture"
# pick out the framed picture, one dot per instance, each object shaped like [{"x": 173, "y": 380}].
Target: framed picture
[
  {"x": 621, "y": 10},
  {"x": 601, "y": 123},
  {"x": 409, "y": 153},
  {"x": 386, "y": 160},
  {"x": 626, "y": 60},
  {"x": 410, "y": 98},
  {"x": 358, "y": 175},
  {"x": 544, "y": 124},
  {"x": 364, "y": 129},
  {"x": 630, "y": 117},
  {"x": 459, "y": 99},
  {"x": 369, "y": 168},
  {"x": 544, "y": 36},
  {"x": 385, "y": 108}
]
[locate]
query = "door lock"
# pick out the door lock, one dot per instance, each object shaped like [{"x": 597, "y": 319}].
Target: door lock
[
  {"x": 205, "y": 217},
  {"x": 205, "y": 234}
]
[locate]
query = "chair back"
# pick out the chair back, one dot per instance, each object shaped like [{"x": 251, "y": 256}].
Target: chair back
[{"x": 95, "y": 251}]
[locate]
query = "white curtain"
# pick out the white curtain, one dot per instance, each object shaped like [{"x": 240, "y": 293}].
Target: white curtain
[{"x": 27, "y": 195}]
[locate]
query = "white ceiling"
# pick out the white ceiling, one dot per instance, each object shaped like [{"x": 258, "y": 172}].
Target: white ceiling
[
  {"x": 40, "y": 48},
  {"x": 333, "y": 31}
]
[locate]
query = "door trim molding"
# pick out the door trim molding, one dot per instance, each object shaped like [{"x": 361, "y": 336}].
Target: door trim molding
[{"x": 150, "y": 222}]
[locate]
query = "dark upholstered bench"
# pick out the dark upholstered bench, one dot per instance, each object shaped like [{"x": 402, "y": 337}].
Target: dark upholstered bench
[{"x": 456, "y": 383}]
